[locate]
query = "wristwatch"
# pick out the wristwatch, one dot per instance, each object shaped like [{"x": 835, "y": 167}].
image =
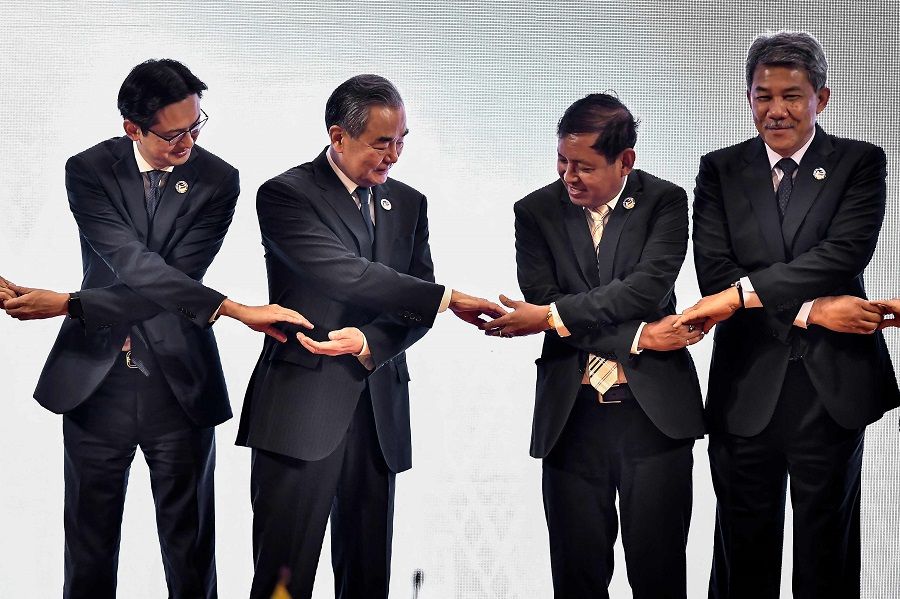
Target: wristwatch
[
  {"x": 551, "y": 322},
  {"x": 737, "y": 285},
  {"x": 74, "y": 307}
]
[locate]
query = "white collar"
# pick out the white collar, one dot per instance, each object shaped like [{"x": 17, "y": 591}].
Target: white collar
[
  {"x": 347, "y": 181},
  {"x": 143, "y": 165},
  {"x": 797, "y": 156},
  {"x": 612, "y": 203}
]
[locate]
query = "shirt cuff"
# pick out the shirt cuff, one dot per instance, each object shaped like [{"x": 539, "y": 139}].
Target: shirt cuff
[
  {"x": 445, "y": 301},
  {"x": 802, "y": 319},
  {"x": 637, "y": 337},
  {"x": 561, "y": 329},
  {"x": 746, "y": 289},
  {"x": 215, "y": 315},
  {"x": 365, "y": 356}
]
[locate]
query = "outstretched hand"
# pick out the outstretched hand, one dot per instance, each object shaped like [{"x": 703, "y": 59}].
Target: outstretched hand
[
  {"x": 472, "y": 309},
  {"x": 524, "y": 319},
  {"x": 263, "y": 318},
  {"x": 348, "y": 340}
]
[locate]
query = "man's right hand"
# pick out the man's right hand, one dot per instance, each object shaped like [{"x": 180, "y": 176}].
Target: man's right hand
[
  {"x": 662, "y": 336},
  {"x": 845, "y": 314},
  {"x": 470, "y": 308},
  {"x": 7, "y": 291},
  {"x": 892, "y": 307},
  {"x": 262, "y": 318}
]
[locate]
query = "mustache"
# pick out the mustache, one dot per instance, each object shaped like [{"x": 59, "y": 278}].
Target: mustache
[{"x": 782, "y": 124}]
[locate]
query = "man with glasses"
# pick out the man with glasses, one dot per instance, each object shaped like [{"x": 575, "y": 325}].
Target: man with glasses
[
  {"x": 135, "y": 363},
  {"x": 328, "y": 418}
]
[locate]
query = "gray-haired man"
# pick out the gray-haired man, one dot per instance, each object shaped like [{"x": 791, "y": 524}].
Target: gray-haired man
[{"x": 784, "y": 225}]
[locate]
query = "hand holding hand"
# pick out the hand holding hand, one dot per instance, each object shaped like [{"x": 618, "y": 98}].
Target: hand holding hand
[
  {"x": 25, "y": 303},
  {"x": 892, "y": 307},
  {"x": 525, "y": 319},
  {"x": 711, "y": 310},
  {"x": 262, "y": 318},
  {"x": 470, "y": 308},
  {"x": 348, "y": 340},
  {"x": 846, "y": 314},
  {"x": 663, "y": 336}
]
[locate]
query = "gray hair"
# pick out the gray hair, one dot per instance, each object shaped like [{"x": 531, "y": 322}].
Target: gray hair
[
  {"x": 348, "y": 106},
  {"x": 797, "y": 49}
]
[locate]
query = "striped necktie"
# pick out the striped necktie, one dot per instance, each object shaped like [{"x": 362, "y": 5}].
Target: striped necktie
[{"x": 602, "y": 373}]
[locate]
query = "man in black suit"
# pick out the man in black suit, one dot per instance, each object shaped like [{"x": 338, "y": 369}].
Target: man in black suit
[
  {"x": 136, "y": 364},
  {"x": 328, "y": 418},
  {"x": 780, "y": 220},
  {"x": 618, "y": 403}
]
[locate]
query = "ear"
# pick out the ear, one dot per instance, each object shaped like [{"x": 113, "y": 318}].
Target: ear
[
  {"x": 132, "y": 130},
  {"x": 627, "y": 157},
  {"x": 822, "y": 96},
  {"x": 338, "y": 136}
]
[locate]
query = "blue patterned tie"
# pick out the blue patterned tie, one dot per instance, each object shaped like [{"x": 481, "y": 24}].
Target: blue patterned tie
[
  {"x": 786, "y": 186},
  {"x": 152, "y": 193}
]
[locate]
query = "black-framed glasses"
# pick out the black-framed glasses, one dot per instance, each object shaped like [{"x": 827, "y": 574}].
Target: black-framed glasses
[{"x": 194, "y": 130}]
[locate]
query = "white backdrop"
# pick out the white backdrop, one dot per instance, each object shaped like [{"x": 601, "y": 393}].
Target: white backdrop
[{"x": 484, "y": 84}]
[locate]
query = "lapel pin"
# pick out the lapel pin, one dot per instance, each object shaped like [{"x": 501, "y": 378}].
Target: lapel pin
[
  {"x": 181, "y": 187},
  {"x": 628, "y": 203},
  {"x": 385, "y": 203},
  {"x": 819, "y": 173}
]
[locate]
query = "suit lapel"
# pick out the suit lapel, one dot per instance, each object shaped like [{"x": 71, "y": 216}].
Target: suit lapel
[
  {"x": 613, "y": 230},
  {"x": 760, "y": 193},
  {"x": 384, "y": 224},
  {"x": 580, "y": 238},
  {"x": 342, "y": 202},
  {"x": 131, "y": 184},
  {"x": 807, "y": 187},
  {"x": 172, "y": 203}
]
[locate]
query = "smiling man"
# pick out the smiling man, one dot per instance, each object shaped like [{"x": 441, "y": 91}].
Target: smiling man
[
  {"x": 784, "y": 225},
  {"x": 136, "y": 363},
  {"x": 328, "y": 417},
  {"x": 618, "y": 403}
]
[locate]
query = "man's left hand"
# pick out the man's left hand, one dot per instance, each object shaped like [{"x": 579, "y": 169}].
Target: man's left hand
[
  {"x": 34, "y": 304},
  {"x": 348, "y": 340},
  {"x": 711, "y": 309},
  {"x": 525, "y": 319}
]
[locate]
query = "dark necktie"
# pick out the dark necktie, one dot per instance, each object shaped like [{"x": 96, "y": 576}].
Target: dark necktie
[
  {"x": 152, "y": 193},
  {"x": 364, "y": 193},
  {"x": 787, "y": 166}
]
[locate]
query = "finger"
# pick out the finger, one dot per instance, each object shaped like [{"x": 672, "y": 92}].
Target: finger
[
  {"x": 293, "y": 317},
  {"x": 340, "y": 334},
  {"x": 274, "y": 333},
  {"x": 509, "y": 303},
  {"x": 888, "y": 323},
  {"x": 708, "y": 325},
  {"x": 497, "y": 323},
  {"x": 682, "y": 319},
  {"x": 19, "y": 289},
  {"x": 306, "y": 342},
  {"x": 14, "y": 303},
  {"x": 496, "y": 332}
]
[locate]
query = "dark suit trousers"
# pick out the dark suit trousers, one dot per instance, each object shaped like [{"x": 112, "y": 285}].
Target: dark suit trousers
[
  {"x": 604, "y": 449},
  {"x": 750, "y": 478},
  {"x": 100, "y": 437},
  {"x": 292, "y": 500}
]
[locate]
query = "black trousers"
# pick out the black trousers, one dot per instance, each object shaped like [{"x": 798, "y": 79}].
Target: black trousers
[
  {"x": 604, "y": 449},
  {"x": 750, "y": 478},
  {"x": 100, "y": 437},
  {"x": 292, "y": 500}
]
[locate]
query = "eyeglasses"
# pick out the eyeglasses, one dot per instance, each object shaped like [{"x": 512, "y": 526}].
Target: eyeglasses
[{"x": 193, "y": 130}]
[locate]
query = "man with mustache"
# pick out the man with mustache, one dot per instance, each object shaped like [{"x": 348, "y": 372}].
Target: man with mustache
[{"x": 784, "y": 225}]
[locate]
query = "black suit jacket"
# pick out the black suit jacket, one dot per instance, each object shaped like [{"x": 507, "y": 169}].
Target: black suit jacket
[
  {"x": 641, "y": 252},
  {"x": 821, "y": 248},
  {"x": 144, "y": 279},
  {"x": 320, "y": 262}
]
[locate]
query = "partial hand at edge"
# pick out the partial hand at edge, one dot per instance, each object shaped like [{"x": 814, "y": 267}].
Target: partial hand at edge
[
  {"x": 262, "y": 318},
  {"x": 470, "y": 308},
  {"x": 348, "y": 340},
  {"x": 525, "y": 319},
  {"x": 892, "y": 307}
]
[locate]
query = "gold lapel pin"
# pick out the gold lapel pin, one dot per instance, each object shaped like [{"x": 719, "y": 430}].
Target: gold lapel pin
[
  {"x": 385, "y": 203},
  {"x": 181, "y": 187},
  {"x": 628, "y": 203},
  {"x": 819, "y": 173}
]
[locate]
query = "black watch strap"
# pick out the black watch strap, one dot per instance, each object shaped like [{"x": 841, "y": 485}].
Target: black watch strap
[{"x": 75, "y": 309}]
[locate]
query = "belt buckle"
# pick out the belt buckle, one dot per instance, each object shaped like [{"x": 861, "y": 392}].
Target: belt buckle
[
  {"x": 128, "y": 361},
  {"x": 601, "y": 401}
]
